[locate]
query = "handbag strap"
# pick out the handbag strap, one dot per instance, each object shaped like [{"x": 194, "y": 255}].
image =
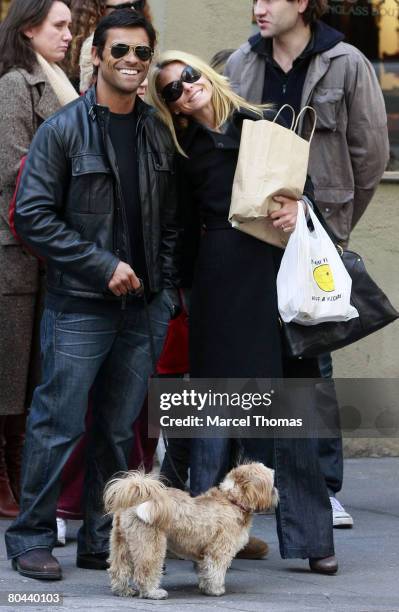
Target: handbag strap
[
  {"x": 281, "y": 109},
  {"x": 327, "y": 229}
]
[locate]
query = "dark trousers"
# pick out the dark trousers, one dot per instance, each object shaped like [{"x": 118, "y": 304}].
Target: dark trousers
[{"x": 330, "y": 449}]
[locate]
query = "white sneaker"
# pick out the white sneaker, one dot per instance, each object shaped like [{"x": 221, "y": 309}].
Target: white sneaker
[
  {"x": 61, "y": 531},
  {"x": 341, "y": 518}
]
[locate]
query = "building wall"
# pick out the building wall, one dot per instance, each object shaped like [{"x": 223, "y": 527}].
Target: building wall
[{"x": 202, "y": 27}]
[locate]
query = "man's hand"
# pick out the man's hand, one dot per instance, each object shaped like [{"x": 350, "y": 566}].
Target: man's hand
[
  {"x": 123, "y": 280},
  {"x": 285, "y": 218}
]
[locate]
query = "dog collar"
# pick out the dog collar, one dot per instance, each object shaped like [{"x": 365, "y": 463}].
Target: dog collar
[{"x": 240, "y": 506}]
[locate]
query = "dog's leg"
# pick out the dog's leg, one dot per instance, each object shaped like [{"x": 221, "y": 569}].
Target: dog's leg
[
  {"x": 148, "y": 553},
  {"x": 211, "y": 573},
  {"x": 121, "y": 568}
]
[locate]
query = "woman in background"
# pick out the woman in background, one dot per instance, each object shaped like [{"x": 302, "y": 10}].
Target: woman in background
[{"x": 34, "y": 38}]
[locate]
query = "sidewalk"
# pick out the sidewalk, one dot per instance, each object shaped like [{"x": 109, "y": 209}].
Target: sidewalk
[{"x": 368, "y": 579}]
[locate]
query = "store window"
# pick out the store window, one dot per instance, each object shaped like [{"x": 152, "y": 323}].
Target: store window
[{"x": 373, "y": 27}]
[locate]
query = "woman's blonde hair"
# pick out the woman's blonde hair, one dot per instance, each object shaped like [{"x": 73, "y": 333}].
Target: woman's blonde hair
[{"x": 224, "y": 100}]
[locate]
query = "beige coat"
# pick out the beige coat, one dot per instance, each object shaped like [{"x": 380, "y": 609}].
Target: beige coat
[
  {"x": 350, "y": 149},
  {"x": 25, "y": 100}
]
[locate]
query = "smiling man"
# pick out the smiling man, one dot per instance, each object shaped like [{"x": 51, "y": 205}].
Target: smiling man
[{"x": 97, "y": 202}]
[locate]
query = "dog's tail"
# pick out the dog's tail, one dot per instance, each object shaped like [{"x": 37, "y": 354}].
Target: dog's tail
[{"x": 144, "y": 491}]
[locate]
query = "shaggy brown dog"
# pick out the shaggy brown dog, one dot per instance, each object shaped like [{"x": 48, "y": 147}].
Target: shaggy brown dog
[{"x": 209, "y": 529}]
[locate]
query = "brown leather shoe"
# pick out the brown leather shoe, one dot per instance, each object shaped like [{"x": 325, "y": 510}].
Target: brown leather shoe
[
  {"x": 38, "y": 563},
  {"x": 255, "y": 549},
  {"x": 327, "y": 565}
]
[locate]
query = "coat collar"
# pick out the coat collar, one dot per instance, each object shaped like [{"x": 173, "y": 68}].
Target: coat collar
[
  {"x": 33, "y": 78},
  {"x": 48, "y": 102},
  {"x": 243, "y": 508},
  {"x": 187, "y": 135}
]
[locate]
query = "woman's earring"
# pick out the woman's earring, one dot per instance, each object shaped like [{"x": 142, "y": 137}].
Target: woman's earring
[{"x": 177, "y": 112}]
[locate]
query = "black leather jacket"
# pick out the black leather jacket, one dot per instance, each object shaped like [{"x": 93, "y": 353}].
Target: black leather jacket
[{"x": 70, "y": 207}]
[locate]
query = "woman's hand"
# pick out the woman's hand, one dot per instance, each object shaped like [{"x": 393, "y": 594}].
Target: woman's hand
[{"x": 285, "y": 218}]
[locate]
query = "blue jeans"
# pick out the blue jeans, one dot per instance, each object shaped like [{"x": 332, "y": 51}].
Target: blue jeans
[{"x": 109, "y": 355}]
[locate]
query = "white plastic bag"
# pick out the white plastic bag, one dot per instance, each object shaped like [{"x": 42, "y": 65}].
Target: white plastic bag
[{"x": 313, "y": 285}]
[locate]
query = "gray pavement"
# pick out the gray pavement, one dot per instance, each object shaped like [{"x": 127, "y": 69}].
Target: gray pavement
[{"x": 368, "y": 579}]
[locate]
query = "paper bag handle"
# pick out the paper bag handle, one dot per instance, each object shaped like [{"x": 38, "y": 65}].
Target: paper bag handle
[
  {"x": 293, "y": 114},
  {"x": 305, "y": 108}
]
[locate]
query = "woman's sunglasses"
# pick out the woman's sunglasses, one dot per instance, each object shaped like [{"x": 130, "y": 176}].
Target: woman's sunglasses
[
  {"x": 143, "y": 52},
  {"x": 173, "y": 91},
  {"x": 138, "y": 6}
]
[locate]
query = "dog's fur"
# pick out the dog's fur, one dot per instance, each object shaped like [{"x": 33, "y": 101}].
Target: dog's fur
[{"x": 209, "y": 529}]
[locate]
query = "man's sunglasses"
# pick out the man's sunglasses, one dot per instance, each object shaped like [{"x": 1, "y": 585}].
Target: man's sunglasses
[
  {"x": 138, "y": 6},
  {"x": 173, "y": 91},
  {"x": 143, "y": 52}
]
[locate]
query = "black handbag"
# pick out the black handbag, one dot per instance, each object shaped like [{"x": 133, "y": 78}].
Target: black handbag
[{"x": 374, "y": 308}]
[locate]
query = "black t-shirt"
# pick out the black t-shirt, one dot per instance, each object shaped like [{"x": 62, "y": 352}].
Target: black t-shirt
[{"x": 122, "y": 130}]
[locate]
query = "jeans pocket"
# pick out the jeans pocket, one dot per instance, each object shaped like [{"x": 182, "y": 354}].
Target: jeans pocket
[{"x": 83, "y": 336}]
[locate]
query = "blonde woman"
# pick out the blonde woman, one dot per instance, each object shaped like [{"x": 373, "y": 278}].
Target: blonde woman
[{"x": 234, "y": 327}]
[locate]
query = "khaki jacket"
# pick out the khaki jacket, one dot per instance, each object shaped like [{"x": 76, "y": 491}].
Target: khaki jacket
[{"x": 350, "y": 148}]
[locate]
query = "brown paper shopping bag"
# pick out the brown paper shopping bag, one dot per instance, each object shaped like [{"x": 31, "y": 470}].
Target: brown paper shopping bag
[{"x": 273, "y": 160}]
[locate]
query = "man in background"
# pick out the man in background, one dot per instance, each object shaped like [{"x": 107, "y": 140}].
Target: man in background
[{"x": 297, "y": 59}]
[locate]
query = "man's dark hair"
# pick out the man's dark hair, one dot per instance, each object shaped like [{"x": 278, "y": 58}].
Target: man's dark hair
[
  {"x": 314, "y": 10},
  {"x": 121, "y": 19},
  {"x": 16, "y": 49}
]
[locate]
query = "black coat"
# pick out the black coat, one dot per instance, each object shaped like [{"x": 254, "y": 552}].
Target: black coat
[
  {"x": 234, "y": 323},
  {"x": 70, "y": 208},
  {"x": 204, "y": 175}
]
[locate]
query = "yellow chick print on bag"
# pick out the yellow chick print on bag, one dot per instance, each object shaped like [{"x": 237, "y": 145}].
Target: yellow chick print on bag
[{"x": 324, "y": 278}]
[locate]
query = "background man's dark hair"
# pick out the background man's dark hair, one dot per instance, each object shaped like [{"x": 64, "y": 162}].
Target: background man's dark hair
[
  {"x": 314, "y": 10},
  {"x": 16, "y": 49},
  {"x": 122, "y": 19}
]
